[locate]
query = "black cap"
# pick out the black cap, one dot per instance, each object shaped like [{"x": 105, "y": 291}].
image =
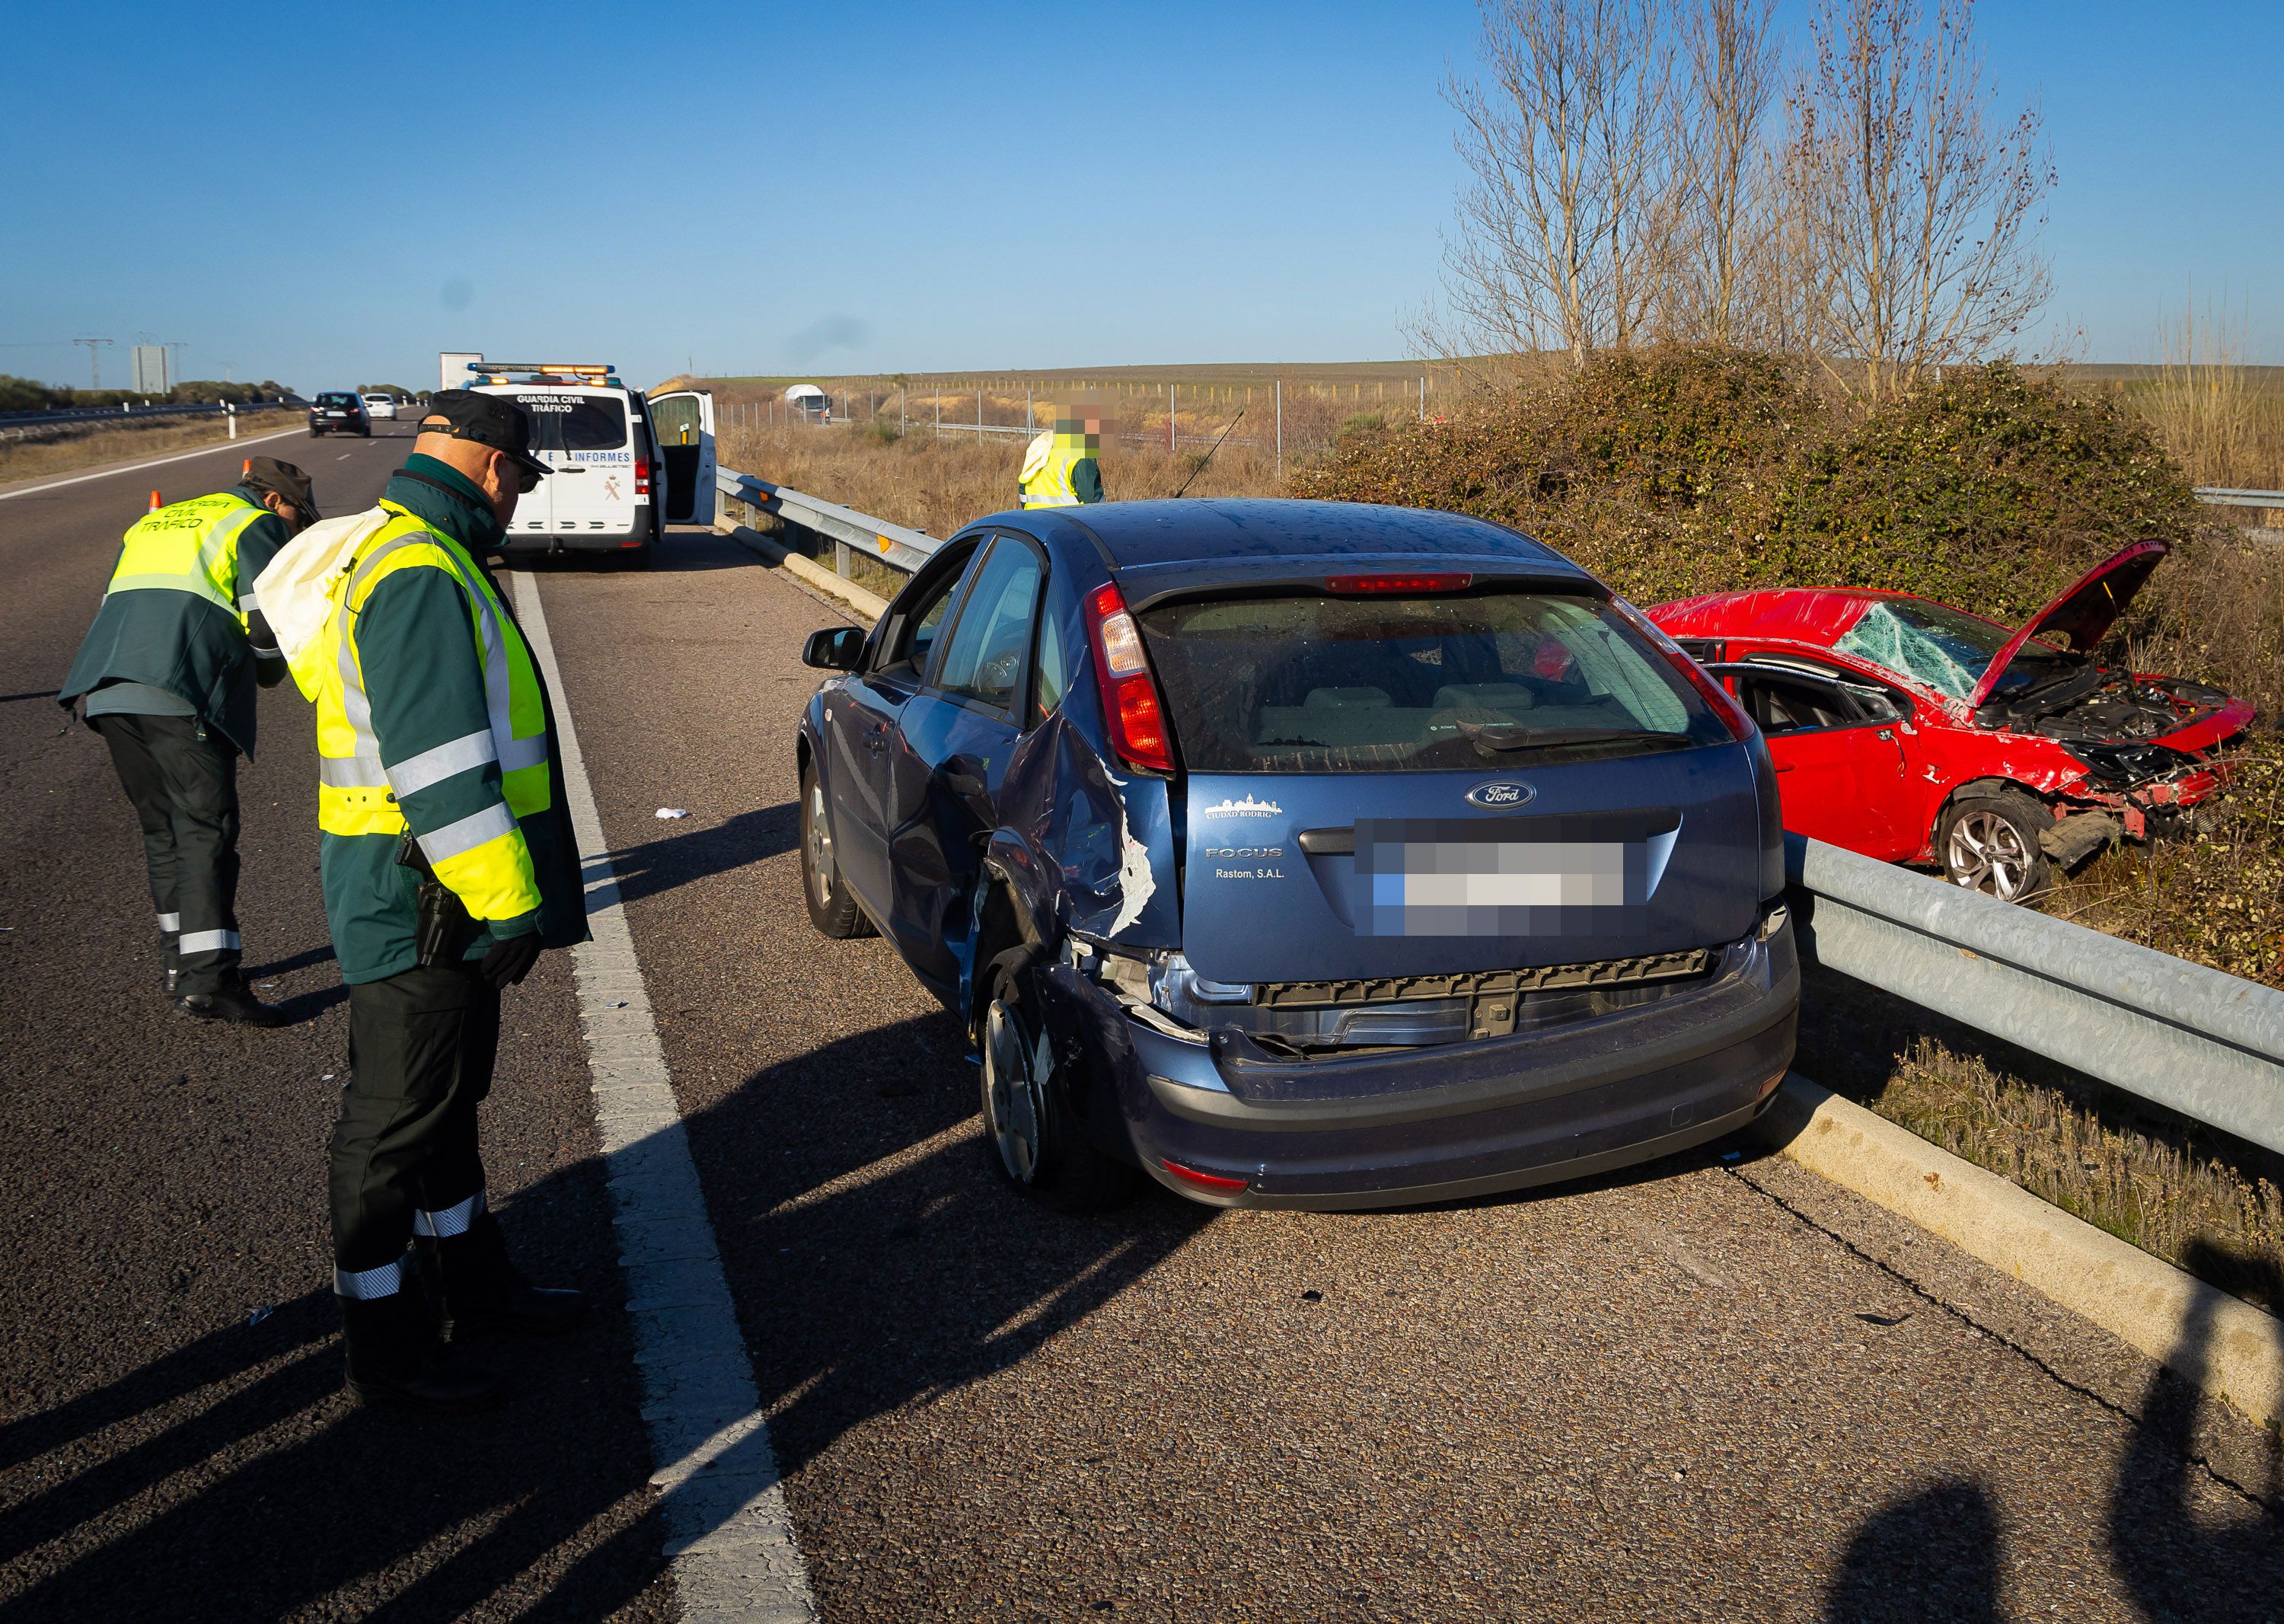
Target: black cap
[
  {"x": 491, "y": 420},
  {"x": 268, "y": 474}
]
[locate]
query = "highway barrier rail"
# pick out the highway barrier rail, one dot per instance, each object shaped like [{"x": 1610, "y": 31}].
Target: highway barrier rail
[
  {"x": 2221, "y": 495},
  {"x": 2207, "y": 1044}
]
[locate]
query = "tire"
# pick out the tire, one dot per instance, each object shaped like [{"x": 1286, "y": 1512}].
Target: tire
[
  {"x": 317, "y": 434},
  {"x": 1029, "y": 1134},
  {"x": 831, "y": 907},
  {"x": 1989, "y": 842}
]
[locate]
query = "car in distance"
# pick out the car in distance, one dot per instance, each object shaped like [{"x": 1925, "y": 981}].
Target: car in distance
[
  {"x": 337, "y": 412},
  {"x": 1304, "y": 855},
  {"x": 1914, "y": 732},
  {"x": 380, "y": 407}
]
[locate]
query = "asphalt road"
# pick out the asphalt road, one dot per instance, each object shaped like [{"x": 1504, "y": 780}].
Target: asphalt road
[{"x": 1711, "y": 1388}]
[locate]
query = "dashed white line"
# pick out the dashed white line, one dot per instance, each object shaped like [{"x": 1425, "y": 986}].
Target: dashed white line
[
  {"x": 728, "y": 1534},
  {"x": 105, "y": 473}
]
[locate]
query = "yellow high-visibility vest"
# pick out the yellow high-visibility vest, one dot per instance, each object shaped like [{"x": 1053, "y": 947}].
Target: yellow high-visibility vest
[
  {"x": 482, "y": 858},
  {"x": 190, "y": 547},
  {"x": 1047, "y": 466}
]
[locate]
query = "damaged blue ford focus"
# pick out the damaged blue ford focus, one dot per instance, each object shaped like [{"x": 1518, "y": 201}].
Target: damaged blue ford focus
[{"x": 1304, "y": 854}]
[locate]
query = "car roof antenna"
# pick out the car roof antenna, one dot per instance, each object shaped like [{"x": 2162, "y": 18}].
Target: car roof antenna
[{"x": 1208, "y": 457}]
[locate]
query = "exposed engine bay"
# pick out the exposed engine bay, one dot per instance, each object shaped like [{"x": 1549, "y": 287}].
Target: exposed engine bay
[{"x": 2104, "y": 715}]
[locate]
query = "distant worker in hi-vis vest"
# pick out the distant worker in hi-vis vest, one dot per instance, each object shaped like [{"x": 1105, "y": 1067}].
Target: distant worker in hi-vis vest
[
  {"x": 1062, "y": 467},
  {"x": 449, "y": 863},
  {"x": 167, "y": 675}
]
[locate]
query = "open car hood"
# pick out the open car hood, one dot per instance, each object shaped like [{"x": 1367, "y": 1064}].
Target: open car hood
[{"x": 2083, "y": 614}]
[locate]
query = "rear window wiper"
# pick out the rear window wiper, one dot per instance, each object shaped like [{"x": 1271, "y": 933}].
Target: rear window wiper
[{"x": 1508, "y": 738}]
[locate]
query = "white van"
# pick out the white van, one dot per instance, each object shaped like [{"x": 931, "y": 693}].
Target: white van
[{"x": 612, "y": 489}]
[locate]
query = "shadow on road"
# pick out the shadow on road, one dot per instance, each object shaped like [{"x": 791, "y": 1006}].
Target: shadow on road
[
  {"x": 701, "y": 854},
  {"x": 1932, "y": 1557},
  {"x": 233, "y": 1479}
]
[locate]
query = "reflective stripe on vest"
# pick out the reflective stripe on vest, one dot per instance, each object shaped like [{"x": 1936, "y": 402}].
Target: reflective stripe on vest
[
  {"x": 359, "y": 794},
  {"x": 188, "y": 547}
]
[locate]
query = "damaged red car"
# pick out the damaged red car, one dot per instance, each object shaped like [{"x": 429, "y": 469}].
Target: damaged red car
[{"x": 1914, "y": 732}]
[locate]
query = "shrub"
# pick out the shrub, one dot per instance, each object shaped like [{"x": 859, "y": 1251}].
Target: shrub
[{"x": 1697, "y": 469}]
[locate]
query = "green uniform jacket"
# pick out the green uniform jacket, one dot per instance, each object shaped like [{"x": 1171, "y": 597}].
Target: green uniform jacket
[
  {"x": 425, "y": 678},
  {"x": 180, "y": 642}
]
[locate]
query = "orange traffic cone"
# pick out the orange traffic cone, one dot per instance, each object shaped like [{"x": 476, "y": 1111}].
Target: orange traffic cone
[
  {"x": 155, "y": 504},
  {"x": 245, "y": 468}
]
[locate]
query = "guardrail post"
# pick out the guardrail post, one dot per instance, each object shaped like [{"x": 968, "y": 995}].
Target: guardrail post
[{"x": 840, "y": 560}]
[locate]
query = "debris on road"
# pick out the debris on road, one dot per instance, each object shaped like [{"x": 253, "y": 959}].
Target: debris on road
[
  {"x": 672, "y": 812},
  {"x": 261, "y": 1313}
]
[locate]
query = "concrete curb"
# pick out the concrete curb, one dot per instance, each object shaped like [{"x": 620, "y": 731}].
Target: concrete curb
[
  {"x": 2227, "y": 1347},
  {"x": 870, "y": 604}
]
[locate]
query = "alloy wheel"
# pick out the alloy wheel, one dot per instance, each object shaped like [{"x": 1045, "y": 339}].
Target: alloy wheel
[
  {"x": 820, "y": 848},
  {"x": 1014, "y": 1092},
  {"x": 1987, "y": 853}
]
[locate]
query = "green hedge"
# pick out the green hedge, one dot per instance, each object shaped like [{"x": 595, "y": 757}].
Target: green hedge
[{"x": 1675, "y": 472}]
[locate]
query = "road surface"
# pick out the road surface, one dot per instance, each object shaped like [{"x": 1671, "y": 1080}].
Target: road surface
[{"x": 1713, "y": 1388}]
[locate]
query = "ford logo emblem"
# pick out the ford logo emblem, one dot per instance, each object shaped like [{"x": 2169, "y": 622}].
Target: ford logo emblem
[{"x": 1501, "y": 792}]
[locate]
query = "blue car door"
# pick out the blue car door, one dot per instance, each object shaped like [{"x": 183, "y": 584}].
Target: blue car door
[
  {"x": 864, "y": 742},
  {"x": 957, "y": 733}
]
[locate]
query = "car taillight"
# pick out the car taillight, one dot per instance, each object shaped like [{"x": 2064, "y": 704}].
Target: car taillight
[
  {"x": 1724, "y": 704},
  {"x": 1129, "y": 695},
  {"x": 642, "y": 476},
  {"x": 1217, "y": 1183},
  {"x": 1437, "y": 580}
]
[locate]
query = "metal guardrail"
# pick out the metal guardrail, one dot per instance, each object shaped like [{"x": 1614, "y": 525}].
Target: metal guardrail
[
  {"x": 850, "y": 531},
  {"x": 2206, "y": 1044},
  {"x": 2220, "y": 496},
  {"x": 2196, "y": 1040},
  {"x": 120, "y": 414}
]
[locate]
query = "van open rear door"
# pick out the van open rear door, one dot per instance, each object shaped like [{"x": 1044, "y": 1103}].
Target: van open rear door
[{"x": 683, "y": 421}]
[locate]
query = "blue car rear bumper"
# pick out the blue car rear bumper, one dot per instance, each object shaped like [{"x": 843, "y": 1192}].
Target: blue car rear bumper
[{"x": 1398, "y": 1127}]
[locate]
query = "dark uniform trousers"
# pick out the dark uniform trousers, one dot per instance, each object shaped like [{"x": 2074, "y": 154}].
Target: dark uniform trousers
[
  {"x": 182, "y": 777},
  {"x": 421, "y": 1048}
]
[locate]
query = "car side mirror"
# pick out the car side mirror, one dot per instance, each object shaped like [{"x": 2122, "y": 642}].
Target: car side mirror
[{"x": 837, "y": 648}]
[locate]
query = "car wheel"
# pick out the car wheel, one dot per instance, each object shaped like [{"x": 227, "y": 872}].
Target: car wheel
[
  {"x": 831, "y": 908},
  {"x": 1028, "y": 1131},
  {"x": 1989, "y": 843}
]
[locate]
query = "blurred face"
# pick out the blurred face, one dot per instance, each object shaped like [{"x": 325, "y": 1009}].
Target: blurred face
[{"x": 296, "y": 521}]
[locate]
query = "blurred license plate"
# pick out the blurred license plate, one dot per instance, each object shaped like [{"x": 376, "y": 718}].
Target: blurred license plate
[{"x": 1506, "y": 877}]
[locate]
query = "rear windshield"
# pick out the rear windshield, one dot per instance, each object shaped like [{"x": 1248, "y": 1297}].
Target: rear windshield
[
  {"x": 337, "y": 399},
  {"x": 576, "y": 423},
  {"x": 1367, "y": 685},
  {"x": 1947, "y": 649}
]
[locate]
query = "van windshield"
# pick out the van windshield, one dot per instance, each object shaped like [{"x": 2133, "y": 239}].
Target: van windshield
[
  {"x": 1323, "y": 684},
  {"x": 571, "y": 423}
]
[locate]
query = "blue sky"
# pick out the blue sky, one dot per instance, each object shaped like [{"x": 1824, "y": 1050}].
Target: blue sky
[{"x": 332, "y": 195}]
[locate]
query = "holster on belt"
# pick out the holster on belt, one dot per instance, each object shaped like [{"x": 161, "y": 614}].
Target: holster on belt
[{"x": 446, "y": 930}]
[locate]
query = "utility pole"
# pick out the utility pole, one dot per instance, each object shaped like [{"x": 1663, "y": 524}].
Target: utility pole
[{"x": 94, "y": 361}]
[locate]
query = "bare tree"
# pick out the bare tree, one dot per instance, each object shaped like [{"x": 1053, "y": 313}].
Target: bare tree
[
  {"x": 1562, "y": 229},
  {"x": 1920, "y": 207},
  {"x": 1726, "y": 197}
]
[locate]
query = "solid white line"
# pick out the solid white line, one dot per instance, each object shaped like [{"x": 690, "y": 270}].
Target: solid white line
[
  {"x": 728, "y": 1533},
  {"x": 105, "y": 473}
]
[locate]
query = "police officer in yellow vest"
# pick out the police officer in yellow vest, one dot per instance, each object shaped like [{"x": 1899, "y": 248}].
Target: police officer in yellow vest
[
  {"x": 449, "y": 863},
  {"x": 168, "y": 673},
  {"x": 1063, "y": 468}
]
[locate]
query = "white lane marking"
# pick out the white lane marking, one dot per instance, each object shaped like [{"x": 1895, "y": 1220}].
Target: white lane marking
[
  {"x": 105, "y": 473},
  {"x": 728, "y": 1532},
  {"x": 343, "y": 457}
]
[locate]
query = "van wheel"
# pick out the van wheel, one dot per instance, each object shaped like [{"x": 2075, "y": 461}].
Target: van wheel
[
  {"x": 1989, "y": 842},
  {"x": 1028, "y": 1131},
  {"x": 831, "y": 908}
]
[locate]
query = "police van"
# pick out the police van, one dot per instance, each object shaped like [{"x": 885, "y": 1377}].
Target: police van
[{"x": 624, "y": 464}]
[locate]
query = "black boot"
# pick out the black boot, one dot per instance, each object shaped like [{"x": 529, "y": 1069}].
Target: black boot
[
  {"x": 233, "y": 1001},
  {"x": 484, "y": 1295},
  {"x": 395, "y": 1359}
]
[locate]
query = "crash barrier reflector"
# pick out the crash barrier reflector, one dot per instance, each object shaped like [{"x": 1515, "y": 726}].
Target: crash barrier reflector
[{"x": 2196, "y": 1040}]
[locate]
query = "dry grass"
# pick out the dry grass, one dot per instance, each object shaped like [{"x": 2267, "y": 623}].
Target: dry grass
[
  {"x": 21, "y": 459},
  {"x": 939, "y": 484},
  {"x": 2181, "y": 1191}
]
